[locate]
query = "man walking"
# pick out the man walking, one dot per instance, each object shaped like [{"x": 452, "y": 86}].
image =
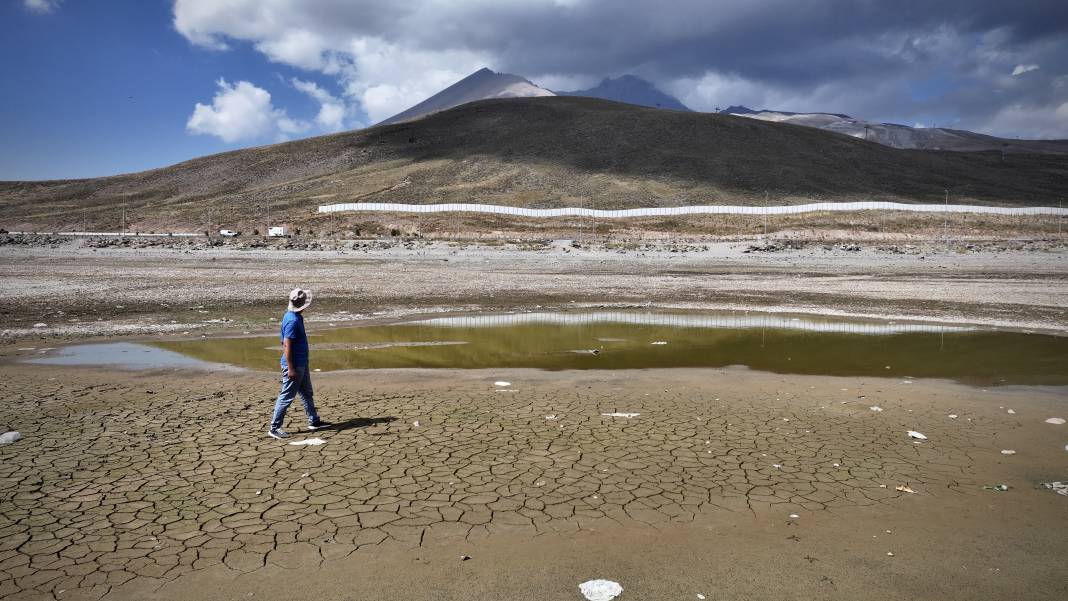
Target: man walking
[{"x": 296, "y": 376}]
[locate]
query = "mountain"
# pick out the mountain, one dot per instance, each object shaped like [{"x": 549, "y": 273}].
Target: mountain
[
  {"x": 480, "y": 85},
  {"x": 631, "y": 90},
  {"x": 536, "y": 152},
  {"x": 903, "y": 136}
]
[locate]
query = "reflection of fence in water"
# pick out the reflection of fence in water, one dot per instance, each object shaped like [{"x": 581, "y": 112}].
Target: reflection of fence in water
[
  {"x": 390, "y": 207},
  {"x": 691, "y": 321}
]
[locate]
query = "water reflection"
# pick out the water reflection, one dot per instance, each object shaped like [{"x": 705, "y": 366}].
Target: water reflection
[{"x": 641, "y": 340}]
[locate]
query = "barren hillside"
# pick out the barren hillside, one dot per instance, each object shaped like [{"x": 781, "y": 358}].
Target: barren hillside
[{"x": 542, "y": 152}]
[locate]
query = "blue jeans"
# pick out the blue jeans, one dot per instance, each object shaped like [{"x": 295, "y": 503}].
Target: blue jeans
[{"x": 291, "y": 387}]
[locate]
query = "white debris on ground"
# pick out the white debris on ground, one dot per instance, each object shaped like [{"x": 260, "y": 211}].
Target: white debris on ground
[
  {"x": 552, "y": 416},
  {"x": 502, "y": 383},
  {"x": 617, "y": 414},
  {"x": 308, "y": 442},
  {"x": 1011, "y": 412},
  {"x": 916, "y": 435},
  {"x": 1061, "y": 488},
  {"x": 600, "y": 590},
  {"x": 953, "y": 416},
  {"x": 905, "y": 488},
  {"x": 1008, "y": 452},
  {"x": 1055, "y": 420},
  {"x": 659, "y": 342},
  {"x": 9, "y": 437},
  {"x": 876, "y": 408}
]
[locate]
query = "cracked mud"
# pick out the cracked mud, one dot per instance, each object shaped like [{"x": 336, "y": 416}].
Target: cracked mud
[{"x": 156, "y": 476}]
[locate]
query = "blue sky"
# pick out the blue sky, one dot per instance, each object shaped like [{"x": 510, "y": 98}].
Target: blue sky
[
  {"x": 99, "y": 88},
  {"x": 90, "y": 92}
]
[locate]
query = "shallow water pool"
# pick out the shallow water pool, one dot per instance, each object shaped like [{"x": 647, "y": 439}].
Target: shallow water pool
[{"x": 642, "y": 340}]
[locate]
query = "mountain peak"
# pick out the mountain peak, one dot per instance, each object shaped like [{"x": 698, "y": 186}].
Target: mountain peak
[
  {"x": 480, "y": 85},
  {"x": 631, "y": 89}
]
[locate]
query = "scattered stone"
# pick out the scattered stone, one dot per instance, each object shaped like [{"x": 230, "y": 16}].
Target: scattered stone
[{"x": 10, "y": 437}]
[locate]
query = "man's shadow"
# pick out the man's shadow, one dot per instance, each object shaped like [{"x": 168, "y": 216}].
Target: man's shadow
[{"x": 359, "y": 422}]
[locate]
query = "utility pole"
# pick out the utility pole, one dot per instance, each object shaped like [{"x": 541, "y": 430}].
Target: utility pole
[{"x": 124, "y": 196}]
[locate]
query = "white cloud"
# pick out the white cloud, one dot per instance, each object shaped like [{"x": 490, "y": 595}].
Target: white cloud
[
  {"x": 242, "y": 111},
  {"x": 41, "y": 6},
  {"x": 332, "y": 110},
  {"x": 1019, "y": 120},
  {"x": 1021, "y": 69},
  {"x": 336, "y": 38},
  {"x": 387, "y": 78}
]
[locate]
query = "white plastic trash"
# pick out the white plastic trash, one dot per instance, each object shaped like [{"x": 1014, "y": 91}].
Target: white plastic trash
[
  {"x": 1055, "y": 420},
  {"x": 502, "y": 383},
  {"x": 9, "y": 437},
  {"x": 313, "y": 442},
  {"x": 600, "y": 590},
  {"x": 1061, "y": 488},
  {"x": 617, "y": 414},
  {"x": 916, "y": 435}
]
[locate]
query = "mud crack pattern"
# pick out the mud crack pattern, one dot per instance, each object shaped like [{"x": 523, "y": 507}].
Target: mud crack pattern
[{"x": 152, "y": 477}]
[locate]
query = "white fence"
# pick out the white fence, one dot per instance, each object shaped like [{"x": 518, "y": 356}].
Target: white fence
[
  {"x": 390, "y": 207},
  {"x": 692, "y": 321}
]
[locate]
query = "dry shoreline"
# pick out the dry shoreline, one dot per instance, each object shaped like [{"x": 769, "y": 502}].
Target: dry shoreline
[
  {"x": 81, "y": 292},
  {"x": 161, "y": 485}
]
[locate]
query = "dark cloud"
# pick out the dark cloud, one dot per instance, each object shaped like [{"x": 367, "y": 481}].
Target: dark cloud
[{"x": 863, "y": 57}]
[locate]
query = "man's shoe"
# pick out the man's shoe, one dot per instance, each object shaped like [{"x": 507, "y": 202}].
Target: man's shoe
[
  {"x": 277, "y": 433},
  {"x": 319, "y": 425}
]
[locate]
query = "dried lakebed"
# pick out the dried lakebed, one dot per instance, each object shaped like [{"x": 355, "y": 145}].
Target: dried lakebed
[{"x": 156, "y": 484}]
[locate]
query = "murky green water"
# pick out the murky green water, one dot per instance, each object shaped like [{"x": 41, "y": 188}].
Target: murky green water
[{"x": 657, "y": 340}]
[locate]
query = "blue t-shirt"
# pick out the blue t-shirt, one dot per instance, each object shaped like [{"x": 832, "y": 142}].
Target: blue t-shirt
[{"x": 293, "y": 329}]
